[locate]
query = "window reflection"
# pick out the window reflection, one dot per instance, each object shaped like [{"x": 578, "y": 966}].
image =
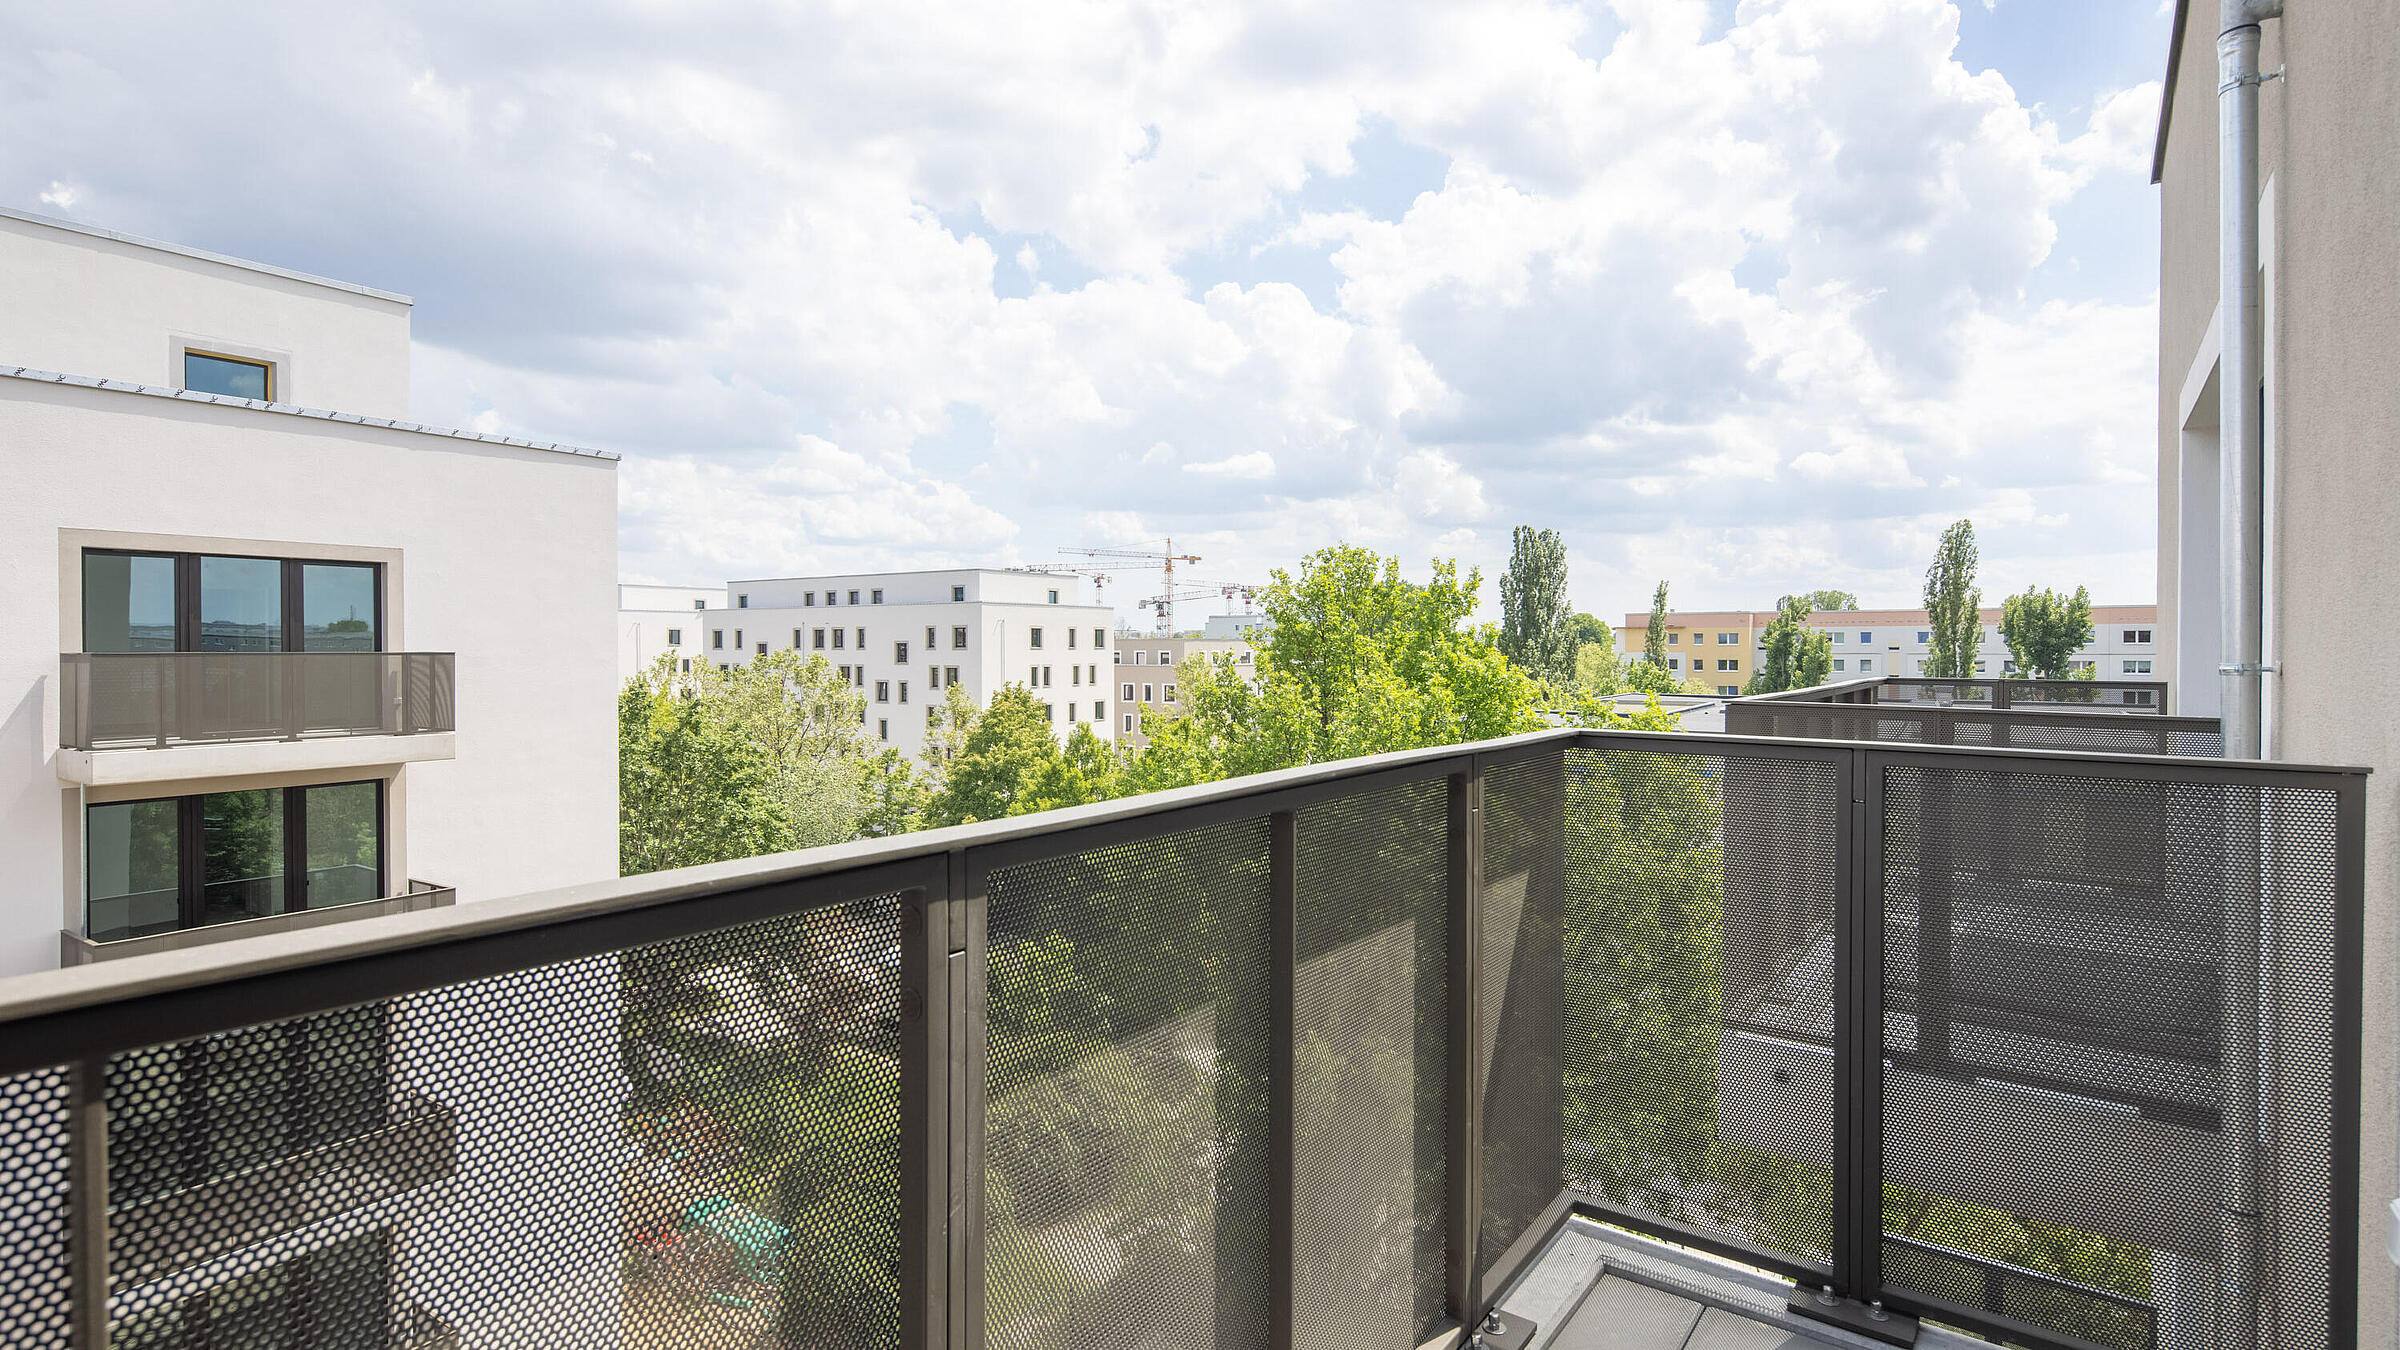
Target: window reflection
[
  {"x": 241, "y": 605},
  {"x": 345, "y": 845},
  {"x": 207, "y": 374},
  {"x": 128, "y": 603},
  {"x": 134, "y": 849},
  {"x": 337, "y": 608},
  {"x": 242, "y": 855}
]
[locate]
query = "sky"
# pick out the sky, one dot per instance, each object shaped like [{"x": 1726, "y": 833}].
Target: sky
[{"x": 1748, "y": 297}]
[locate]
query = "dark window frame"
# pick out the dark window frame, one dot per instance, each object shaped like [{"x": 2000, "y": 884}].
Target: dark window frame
[
  {"x": 291, "y": 580},
  {"x": 191, "y": 851}
]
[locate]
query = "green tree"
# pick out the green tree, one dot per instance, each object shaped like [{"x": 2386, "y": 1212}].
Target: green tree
[
  {"x": 1598, "y": 669},
  {"x": 1536, "y": 627},
  {"x": 1654, "y": 642},
  {"x": 1833, "y": 600},
  {"x": 1953, "y": 605},
  {"x": 2044, "y": 630},
  {"x": 690, "y": 789},
  {"x": 1584, "y": 630},
  {"x": 1007, "y": 751},
  {"x": 1795, "y": 656}
]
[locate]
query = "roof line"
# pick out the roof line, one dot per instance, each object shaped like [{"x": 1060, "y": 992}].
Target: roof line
[
  {"x": 204, "y": 255},
  {"x": 33, "y": 376},
  {"x": 2166, "y": 96}
]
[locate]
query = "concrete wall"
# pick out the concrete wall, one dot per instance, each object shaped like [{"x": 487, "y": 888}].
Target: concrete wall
[
  {"x": 2332, "y": 257},
  {"x": 85, "y": 302},
  {"x": 529, "y": 802}
]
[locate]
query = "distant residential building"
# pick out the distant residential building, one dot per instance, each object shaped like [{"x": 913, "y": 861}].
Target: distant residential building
[
  {"x": 901, "y": 639},
  {"x": 1722, "y": 648},
  {"x": 1147, "y": 671},
  {"x": 1236, "y": 626}
]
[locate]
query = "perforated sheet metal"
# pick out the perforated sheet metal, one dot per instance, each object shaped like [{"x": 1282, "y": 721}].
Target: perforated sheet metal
[
  {"x": 689, "y": 1144},
  {"x": 1522, "y": 985},
  {"x": 2113, "y": 732},
  {"x": 1126, "y": 1129},
  {"x": 1370, "y": 1005},
  {"x": 2090, "y": 985},
  {"x": 1701, "y": 899},
  {"x": 34, "y": 1223}
]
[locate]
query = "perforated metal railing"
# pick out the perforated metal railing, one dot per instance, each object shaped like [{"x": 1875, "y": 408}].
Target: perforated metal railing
[
  {"x": 2010, "y": 1040},
  {"x": 2111, "y": 717}
]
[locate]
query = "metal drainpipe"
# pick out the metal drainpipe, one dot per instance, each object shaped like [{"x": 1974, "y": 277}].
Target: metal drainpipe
[
  {"x": 2241, "y": 593},
  {"x": 2240, "y": 372}
]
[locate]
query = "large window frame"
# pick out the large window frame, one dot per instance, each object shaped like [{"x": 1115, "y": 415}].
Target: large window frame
[
  {"x": 191, "y": 850},
  {"x": 292, "y": 581}
]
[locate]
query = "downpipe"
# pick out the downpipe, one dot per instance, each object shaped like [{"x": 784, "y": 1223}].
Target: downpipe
[{"x": 2241, "y": 542}]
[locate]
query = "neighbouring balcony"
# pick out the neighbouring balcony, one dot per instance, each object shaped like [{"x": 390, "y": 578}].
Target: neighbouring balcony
[
  {"x": 2054, "y": 1047},
  {"x": 75, "y": 949},
  {"x": 2122, "y": 716},
  {"x": 192, "y": 712}
]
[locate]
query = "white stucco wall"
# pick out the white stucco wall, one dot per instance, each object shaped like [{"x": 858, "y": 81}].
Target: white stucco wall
[
  {"x": 507, "y": 558},
  {"x": 84, "y": 302}
]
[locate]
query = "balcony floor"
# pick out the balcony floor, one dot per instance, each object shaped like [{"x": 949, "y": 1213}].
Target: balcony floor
[{"x": 1620, "y": 1313}]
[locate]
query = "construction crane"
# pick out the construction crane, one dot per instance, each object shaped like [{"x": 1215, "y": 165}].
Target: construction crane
[
  {"x": 1166, "y": 560},
  {"x": 1196, "y": 590}
]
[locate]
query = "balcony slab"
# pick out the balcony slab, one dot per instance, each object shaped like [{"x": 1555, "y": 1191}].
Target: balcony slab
[{"x": 227, "y": 759}]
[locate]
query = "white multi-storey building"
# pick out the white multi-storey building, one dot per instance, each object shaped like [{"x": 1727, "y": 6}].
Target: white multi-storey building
[
  {"x": 902, "y": 639},
  {"x": 313, "y": 663}
]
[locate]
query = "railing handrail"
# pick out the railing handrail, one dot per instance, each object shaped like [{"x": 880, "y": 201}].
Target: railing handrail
[
  {"x": 219, "y": 655},
  {"x": 49, "y": 993}
]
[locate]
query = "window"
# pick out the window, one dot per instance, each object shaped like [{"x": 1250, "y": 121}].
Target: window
[
  {"x": 797, "y": 635},
  {"x": 209, "y": 373},
  {"x": 854, "y": 597},
  {"x": 1924, "y": 635},
  {"x": 1037, "y": 639},
  {"x": 1070, "y": 712},
  {"x": 674, "y": 637},
  {"x": 737, "y": 639},
  {"x": 1728, "y": 639},
  {"x": 1730, "y": 690},
  {"x": 845, "y": 670},
  {"x": 930, "y": 644},
  {"x": 716, "y": 639},
  {"x": 933, "y": 677},
  {"x": 899, "y": 653},
  {"x": 699, "y": 604},
  {"x": 762, "y": 649},
  {"x": 1149, "y": 693},
  {"x": 904, "y": 691},
  {"x": 741, "y": 602},
  {"x": 189, "y": 602},
  {"x": 1245, "y": 658},
  {"x": 1099, "y": 638},
  {"x": 1170, "y": 693},
  {"x": 958, "y": 593},
  {"x": 1840, "y": 664},
  {"x": 1126, "y": 692},
  {"x": 883, "y": 728},
  {"x": 2137, "y": 667},
  {"x": 1140, "y": 657},
  {"x": 1129, "y": 724},
  {"x": 1054, "y": 597},
  {"x": 1070, "y": 642},
  {"x": 1841, "y": 637},
  {"x": 1726, "y": 663},
  {"x": 1094, "y": 672},
  {"x": 1674, "y": 663},
  {"x": 2137, "y": 636},
  {"x": 1674, "y": 639},
  {"x": 250, "y": 853},
  {"x": 883, "y": 691},
  {"x": 1049, "y": 713},
  {"x": 1866, "y": 636},
  {"x": 1979, "y": 667},
  {"x": 839, "y": 634},
  {"x": 862, "y": 638},
  {"x": 809, "y": 599},
  {"x": 1074, "y": 675},
  {"x": 1866, "y": 663},
  {"x": 1165, "y": 660},
  {"x": 958, "y": 638},
  {"x": 816, "y": 638},
  {"x": 932, "y": 714},
  {"x": 1116, "y": 658},
  {"x": 949, "y": 674},
  {"x": 1100, "y": 713}
]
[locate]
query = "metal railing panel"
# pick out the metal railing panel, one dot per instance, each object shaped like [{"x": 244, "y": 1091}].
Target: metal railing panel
[
  {"x": 1126, "y": 1152},
  {"x": 122, "y": 700},
  {"x": 39, "y": 1183},
  {"x": 1520, "y": 988},
  {"x": 2114, "y": 731}
]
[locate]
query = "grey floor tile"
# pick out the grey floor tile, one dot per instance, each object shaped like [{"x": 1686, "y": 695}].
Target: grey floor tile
[
  {"x": 1622, "y": 1315},
  {"x": 1721, "y": 1330}
]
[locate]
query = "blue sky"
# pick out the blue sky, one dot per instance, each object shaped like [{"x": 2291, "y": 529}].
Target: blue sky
[{"x": 1751, "y": 298}]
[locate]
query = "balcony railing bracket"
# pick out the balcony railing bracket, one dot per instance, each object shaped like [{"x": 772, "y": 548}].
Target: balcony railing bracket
[
  {"x": 1871, "y": 1320},
  {"x": 1503, "y": 1331}
]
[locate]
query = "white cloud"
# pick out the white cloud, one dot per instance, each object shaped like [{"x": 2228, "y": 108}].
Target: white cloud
[{"x": 889, "y": 285}]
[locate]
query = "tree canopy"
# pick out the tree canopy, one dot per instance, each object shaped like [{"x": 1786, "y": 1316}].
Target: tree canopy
[
  {"x": 1795, "y": 656},
  {"x": 1537, "y": 630},
  {"x": 1654, "y": 640},
  {"x": 1833, "y": 600},
  {"x": 1953, "y": 605},
  {"x": 2044, "y": 630}
]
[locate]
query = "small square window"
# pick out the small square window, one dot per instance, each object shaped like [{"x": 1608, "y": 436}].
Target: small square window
[
  {"x": 741, "y": 602},
  {"x": 762, "y": 649},
  {"x": 674, "y": 637},
  {"x": 958, "y": 592},
  {"x": 232, "y": 377},
  {"x": 699, "y": 604},
  {"x": 809, "y": 599},
  {"x": 949, "y": 674},
  {"x": 875, "y": 598},
  {"x": 1164, "y": 659},
  {"x": 1866, "y": 637},
  {"x": 1866, "y": 663},
  {"x": 1674, "y": 639},
  {"x": 1840, "y": 664},
  {"x": 854, "y": 597}
]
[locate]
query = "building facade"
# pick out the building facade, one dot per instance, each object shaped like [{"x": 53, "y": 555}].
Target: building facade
[
  {"x": 1722, "y": 648},
  {"x": 1146, "y": 670},
  {"x": 312, "y": 663},
  {"x": 2329, "y": 272},
  {"x": 901, "y": 639}
]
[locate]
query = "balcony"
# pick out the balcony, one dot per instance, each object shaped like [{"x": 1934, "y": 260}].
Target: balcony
[
  {"x": 75, "y": 949},
  {"x": 2113, "y": 715},
  {"x": 195, "y": 714},
  {"x": 2055, "y": 1047}
]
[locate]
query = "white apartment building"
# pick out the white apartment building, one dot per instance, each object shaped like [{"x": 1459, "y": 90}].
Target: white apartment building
[
  {"x": 902, "y": 639},
  {"x": 267, "y": 674},
  {"x": 1146, "y": 670},
  {"x": 1721, "y": 649}
]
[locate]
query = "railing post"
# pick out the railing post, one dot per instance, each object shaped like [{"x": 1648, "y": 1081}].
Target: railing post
[
  {"x": 966, "y": 951},
  {"x": 1283, "y": 882},
  {"x": 1465, "y": 1132},
  {"x": 924, "y": 1118},
  {"x": 87, "y": 1202}
]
